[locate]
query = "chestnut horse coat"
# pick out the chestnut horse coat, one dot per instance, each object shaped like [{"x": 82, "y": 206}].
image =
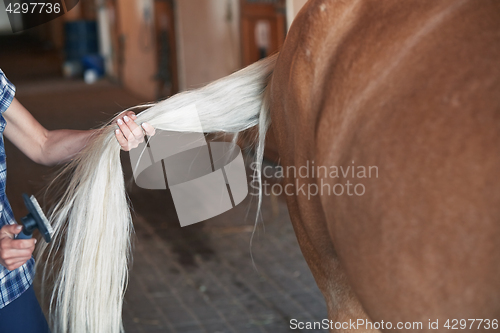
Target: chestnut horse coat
[{"x": 413, "y": 88}]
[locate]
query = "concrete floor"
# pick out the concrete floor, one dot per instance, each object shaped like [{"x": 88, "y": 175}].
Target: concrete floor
[{"x": 198, "y": 278}]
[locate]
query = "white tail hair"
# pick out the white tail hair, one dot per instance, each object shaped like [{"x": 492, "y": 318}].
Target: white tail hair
[{"x": 88, "y": 258}]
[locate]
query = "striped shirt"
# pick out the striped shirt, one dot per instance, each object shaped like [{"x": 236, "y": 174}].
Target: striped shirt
[{"x": 12, "y": 283}]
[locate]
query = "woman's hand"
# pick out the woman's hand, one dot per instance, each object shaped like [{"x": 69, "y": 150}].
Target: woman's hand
[
  {"x": 129, "y": 134},
  {"x": 14, "y": 252}
]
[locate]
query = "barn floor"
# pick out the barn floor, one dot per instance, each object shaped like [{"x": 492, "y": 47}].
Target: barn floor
[{"x": 198, "y": 278}]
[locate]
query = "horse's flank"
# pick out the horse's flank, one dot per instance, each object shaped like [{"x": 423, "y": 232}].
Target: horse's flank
[{"x": 412, "y": 87}]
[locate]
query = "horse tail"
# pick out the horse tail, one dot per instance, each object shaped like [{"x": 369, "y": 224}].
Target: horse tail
[{"x": 92, "y": 222}]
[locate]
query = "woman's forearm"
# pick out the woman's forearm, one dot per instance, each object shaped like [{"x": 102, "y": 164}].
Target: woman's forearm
[
  {"x": 61, "y": 146},
  {"x": 39, "y": 144}
]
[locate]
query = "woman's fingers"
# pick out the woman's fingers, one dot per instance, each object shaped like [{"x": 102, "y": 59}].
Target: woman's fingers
[
  {"x": 16, "y": 264},
  {"x": 124, "y": 128},
  {"x": 121, "y": 139},
  {"x": 15, "y": 252},
  {"x": 129, "y": 114},
  {"x": 134, "y": 129},
  {"x": 17, "y": 255},
  {"x": 22, "y": 244},
  {"x": 129, "y": 134},
  {"x": 150, "y": 130}
]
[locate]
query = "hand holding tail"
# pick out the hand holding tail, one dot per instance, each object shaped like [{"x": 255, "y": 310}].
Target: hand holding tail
[{"x": 128, "y": 133}]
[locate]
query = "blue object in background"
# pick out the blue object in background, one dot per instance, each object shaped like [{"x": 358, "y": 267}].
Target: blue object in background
[
  {"x": 80, "y": 39},
  {"x": 93, "y": 62},
  {"x": 82, "y": 51}
]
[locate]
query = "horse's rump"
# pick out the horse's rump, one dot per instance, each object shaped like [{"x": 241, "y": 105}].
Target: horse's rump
[{"x": 413, "y": 89}]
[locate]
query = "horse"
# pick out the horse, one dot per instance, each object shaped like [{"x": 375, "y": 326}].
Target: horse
[{"x": 412, "y": 87}]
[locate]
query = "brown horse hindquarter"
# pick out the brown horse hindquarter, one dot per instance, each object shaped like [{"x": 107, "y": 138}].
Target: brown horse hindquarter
[{"x": 411, "y": 88}]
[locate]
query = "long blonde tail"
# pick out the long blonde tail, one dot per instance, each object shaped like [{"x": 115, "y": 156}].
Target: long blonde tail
[{"x": 88, "y": 258}]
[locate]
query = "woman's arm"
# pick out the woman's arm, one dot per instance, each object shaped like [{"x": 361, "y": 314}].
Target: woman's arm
[{"x": 58, "y": 146}]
